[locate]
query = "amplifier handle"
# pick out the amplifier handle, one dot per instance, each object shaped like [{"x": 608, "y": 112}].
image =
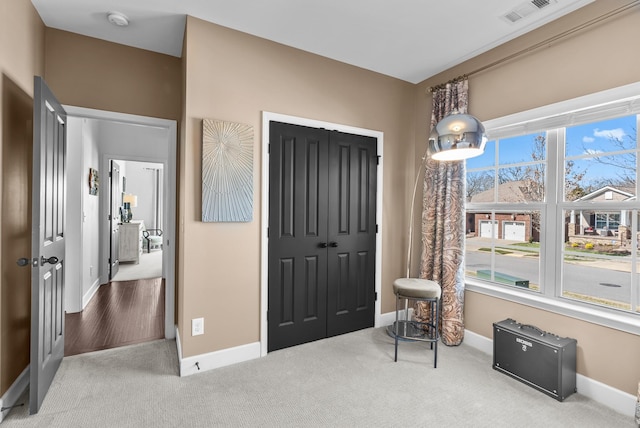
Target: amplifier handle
[{"x": 542, "y": 333}]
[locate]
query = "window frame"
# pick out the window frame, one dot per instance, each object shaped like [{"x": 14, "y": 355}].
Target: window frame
[{"x": 620, "y": 101}]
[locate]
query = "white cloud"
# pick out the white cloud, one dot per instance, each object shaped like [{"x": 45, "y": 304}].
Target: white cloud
[
  {"x": 588, "y": 139},
  {"x": 617, "y": 133}
]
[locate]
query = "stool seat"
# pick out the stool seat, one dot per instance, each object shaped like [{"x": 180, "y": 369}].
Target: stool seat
[{"x": 417, "y": 288}]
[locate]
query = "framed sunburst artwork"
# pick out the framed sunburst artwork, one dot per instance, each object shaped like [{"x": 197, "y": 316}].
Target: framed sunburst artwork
[{"x": 227, "y": 171}]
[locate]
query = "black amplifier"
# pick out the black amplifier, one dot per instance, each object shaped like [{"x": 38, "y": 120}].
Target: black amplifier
[{"x": 539, "y": 359}]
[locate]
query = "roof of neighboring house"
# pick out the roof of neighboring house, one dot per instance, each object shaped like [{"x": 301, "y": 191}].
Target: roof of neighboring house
[
  {"x": 618, "y": 194},
  {"x": 517, "y": 191},
  {"x": 511, "y": 191}
]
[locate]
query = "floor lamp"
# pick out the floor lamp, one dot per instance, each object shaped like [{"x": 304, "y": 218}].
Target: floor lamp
[{"x": 456, "y": 137}]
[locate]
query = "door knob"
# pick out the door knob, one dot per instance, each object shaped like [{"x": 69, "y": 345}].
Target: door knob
[
  {"x": 53, "y": 260},
  {"x": 333, "y": 244},
  {"x": 323, "y": 245},
  {"x": 23, "y": 261}
]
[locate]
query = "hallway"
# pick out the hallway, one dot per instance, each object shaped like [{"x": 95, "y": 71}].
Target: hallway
[{"x": 121, "y": 313}]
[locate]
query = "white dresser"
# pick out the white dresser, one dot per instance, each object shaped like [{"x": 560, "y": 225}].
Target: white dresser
[{"x": 130, "y": 241}]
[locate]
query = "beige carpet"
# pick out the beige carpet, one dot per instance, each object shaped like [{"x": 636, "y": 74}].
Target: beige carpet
[
  {"x": 345, "y": 381},
  {"x": 150, "y": 266}
]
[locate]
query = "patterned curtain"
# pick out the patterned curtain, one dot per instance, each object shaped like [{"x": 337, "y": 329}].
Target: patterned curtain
[
  {"x": 638, "y": 406},
  {"x": 443, "y": 222}
]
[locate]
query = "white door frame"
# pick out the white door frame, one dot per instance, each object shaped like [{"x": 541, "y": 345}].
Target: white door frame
[
  {"x": 264, "y": 241},
  {"x": 169, "y": 207}
]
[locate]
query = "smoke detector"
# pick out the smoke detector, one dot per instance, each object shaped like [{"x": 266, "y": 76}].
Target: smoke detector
[{"x": 118, "y": 19}]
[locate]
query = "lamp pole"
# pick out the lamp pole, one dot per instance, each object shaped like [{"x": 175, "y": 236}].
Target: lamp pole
[{"x": 413, "y": 203}]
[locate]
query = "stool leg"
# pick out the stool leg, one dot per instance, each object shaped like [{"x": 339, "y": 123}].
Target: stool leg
[
  {"x": 395, "y": 331},
  {"x": 435, "y": 332}
]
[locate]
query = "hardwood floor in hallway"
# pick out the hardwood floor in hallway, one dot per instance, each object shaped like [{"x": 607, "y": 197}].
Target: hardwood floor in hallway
[{"x": 120, "y": 313}]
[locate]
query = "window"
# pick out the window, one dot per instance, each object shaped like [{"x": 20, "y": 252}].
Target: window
[
  {"x": 504, "y": 206},
  {"x": 552, "y": 207}
]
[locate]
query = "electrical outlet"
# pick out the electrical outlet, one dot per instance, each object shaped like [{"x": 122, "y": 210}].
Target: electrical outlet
[{"x": 197, "y": 326}]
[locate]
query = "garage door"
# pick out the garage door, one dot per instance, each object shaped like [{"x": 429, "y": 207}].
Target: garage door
[
  {"x": 513, "y": 230},
  {"x": 488, "y": 229}
]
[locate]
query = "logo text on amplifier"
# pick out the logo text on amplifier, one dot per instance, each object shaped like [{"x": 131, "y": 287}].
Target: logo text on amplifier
[{"x": 524, "y": 343}]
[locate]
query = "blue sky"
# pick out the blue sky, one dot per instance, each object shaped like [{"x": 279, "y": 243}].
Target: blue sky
[{"x": 589, "y": 139}]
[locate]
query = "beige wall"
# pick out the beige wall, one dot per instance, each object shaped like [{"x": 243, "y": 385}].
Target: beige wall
[
  {"x": 21, "y": 57},
  {"x": 234, "y": 76},
  {"x": 87, "y": 72},
  {"x": 592, "y": 60}
]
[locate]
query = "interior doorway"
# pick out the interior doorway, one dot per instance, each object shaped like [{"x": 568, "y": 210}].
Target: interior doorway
[
  {"x": 96, "y": 138},
  {"x": 129, "y": 309},
  {"x": 136, "y": 217}
]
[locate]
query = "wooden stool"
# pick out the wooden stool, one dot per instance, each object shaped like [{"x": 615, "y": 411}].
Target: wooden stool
[{"x": 421, "y": 290}]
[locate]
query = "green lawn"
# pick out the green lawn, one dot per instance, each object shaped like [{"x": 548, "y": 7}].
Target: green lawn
[{"x": 498, "y": 250}]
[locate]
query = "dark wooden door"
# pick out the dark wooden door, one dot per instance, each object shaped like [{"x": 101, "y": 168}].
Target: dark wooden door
[
  {"x": 298, "y": 200},
  {"x": 352, "y": 232},
  {"x": 322, "y": 199},
  {"x": 48, "y": 241},
  {"x": 114, "y": 219}
]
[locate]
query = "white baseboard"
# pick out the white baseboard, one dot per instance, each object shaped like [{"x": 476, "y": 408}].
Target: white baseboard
[
  {"x": 478, "y": 341},
  {"x": 15, "y": 391},
  {"x": 213, "y": 360},
  {"x": 86, "y": 298},
  {"x": 178, "y": 344},
  {"x": 617, "y": 400}
]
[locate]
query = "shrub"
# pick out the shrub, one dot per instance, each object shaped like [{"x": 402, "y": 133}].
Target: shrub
[{"x": 588, "y": 246}]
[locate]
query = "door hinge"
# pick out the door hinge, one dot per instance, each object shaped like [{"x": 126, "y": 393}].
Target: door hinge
[
  {"x": 375, "y": 296},
  {"x": 269, "y": 148},
  {"x": 267, "y": 232},
  {"x": 378, "y": 159},
  {"x": 377, "y": 228},
  {"x": 109, "y": 174},
  {"x": 108, "y": 216}
]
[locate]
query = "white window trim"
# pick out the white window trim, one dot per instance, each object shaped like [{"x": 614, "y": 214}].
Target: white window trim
[{"x": 624, "y": 100}]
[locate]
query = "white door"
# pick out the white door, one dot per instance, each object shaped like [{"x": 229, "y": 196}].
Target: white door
[
  {"x": 513, "y": 231},
  {"x": 47, "y": 238},
  {"x": 488, "y": 229}
]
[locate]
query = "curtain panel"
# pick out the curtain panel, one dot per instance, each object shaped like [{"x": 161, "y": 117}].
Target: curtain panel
[{"x": 443, "y": 223}]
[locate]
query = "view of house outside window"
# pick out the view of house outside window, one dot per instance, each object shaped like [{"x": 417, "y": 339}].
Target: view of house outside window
[
  {"x": 579, "y": 181},
  {"x": 505, "y": 194},
  {"x": 600, "y": 249}
]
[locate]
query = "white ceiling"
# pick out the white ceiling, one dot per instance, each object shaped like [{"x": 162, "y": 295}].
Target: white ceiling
[{"x": 411, "y": 40}]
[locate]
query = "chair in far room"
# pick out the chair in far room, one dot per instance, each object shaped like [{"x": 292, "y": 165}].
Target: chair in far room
[{"x": 152, "y": 238}]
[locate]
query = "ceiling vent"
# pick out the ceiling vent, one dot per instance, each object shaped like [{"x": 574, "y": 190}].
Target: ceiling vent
[{"x": 526, "y": 9}]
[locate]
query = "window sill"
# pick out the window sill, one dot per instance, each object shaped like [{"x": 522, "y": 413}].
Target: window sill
[{"x": 619, "y": 321}]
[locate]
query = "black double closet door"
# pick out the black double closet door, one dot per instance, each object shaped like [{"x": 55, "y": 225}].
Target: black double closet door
[{"x": 322, "y": 234}]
